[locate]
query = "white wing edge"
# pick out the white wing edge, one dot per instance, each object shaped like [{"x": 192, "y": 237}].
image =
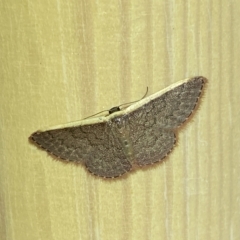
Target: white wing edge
[
  {"x": 131, "y": 108},
  {"x": 158, "y": 94}
]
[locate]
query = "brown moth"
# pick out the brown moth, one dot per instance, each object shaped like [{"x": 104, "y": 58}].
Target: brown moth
[{"x": 138, "y": 135}]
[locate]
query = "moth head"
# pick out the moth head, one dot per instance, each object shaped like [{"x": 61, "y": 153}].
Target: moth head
[{"x": 114, "y": 109}]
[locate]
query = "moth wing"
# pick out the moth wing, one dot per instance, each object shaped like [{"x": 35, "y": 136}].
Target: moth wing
[
  {"x": 152, "y": 126},
  {"x": 92, "y": 144},
  {"x": 153, "y": 145}
]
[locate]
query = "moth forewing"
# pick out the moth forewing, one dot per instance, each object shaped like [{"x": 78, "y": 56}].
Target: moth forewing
[{"x": 160, "y": 93}]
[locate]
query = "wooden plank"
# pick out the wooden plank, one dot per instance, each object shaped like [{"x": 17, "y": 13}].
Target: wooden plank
[{"x": 65, "y": 60}]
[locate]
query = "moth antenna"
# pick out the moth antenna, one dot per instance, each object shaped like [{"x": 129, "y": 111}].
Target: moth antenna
[
  {"x": 115, "y": 109},
  {"x": 135, "y": 100},
  {"x": 95, "y": 114}
]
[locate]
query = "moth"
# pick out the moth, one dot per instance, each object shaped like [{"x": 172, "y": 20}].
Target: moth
[{"x": 141, "y": 134}]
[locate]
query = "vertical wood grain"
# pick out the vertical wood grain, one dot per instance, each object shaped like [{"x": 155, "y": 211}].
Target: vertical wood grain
[{"x": 64, "y": 60}]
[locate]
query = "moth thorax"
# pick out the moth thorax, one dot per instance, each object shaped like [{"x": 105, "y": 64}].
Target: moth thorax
[{"x": 119, "y": 122}]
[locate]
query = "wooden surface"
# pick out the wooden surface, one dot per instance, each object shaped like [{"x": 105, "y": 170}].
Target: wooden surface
[{"x": 65, "y": 60}]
